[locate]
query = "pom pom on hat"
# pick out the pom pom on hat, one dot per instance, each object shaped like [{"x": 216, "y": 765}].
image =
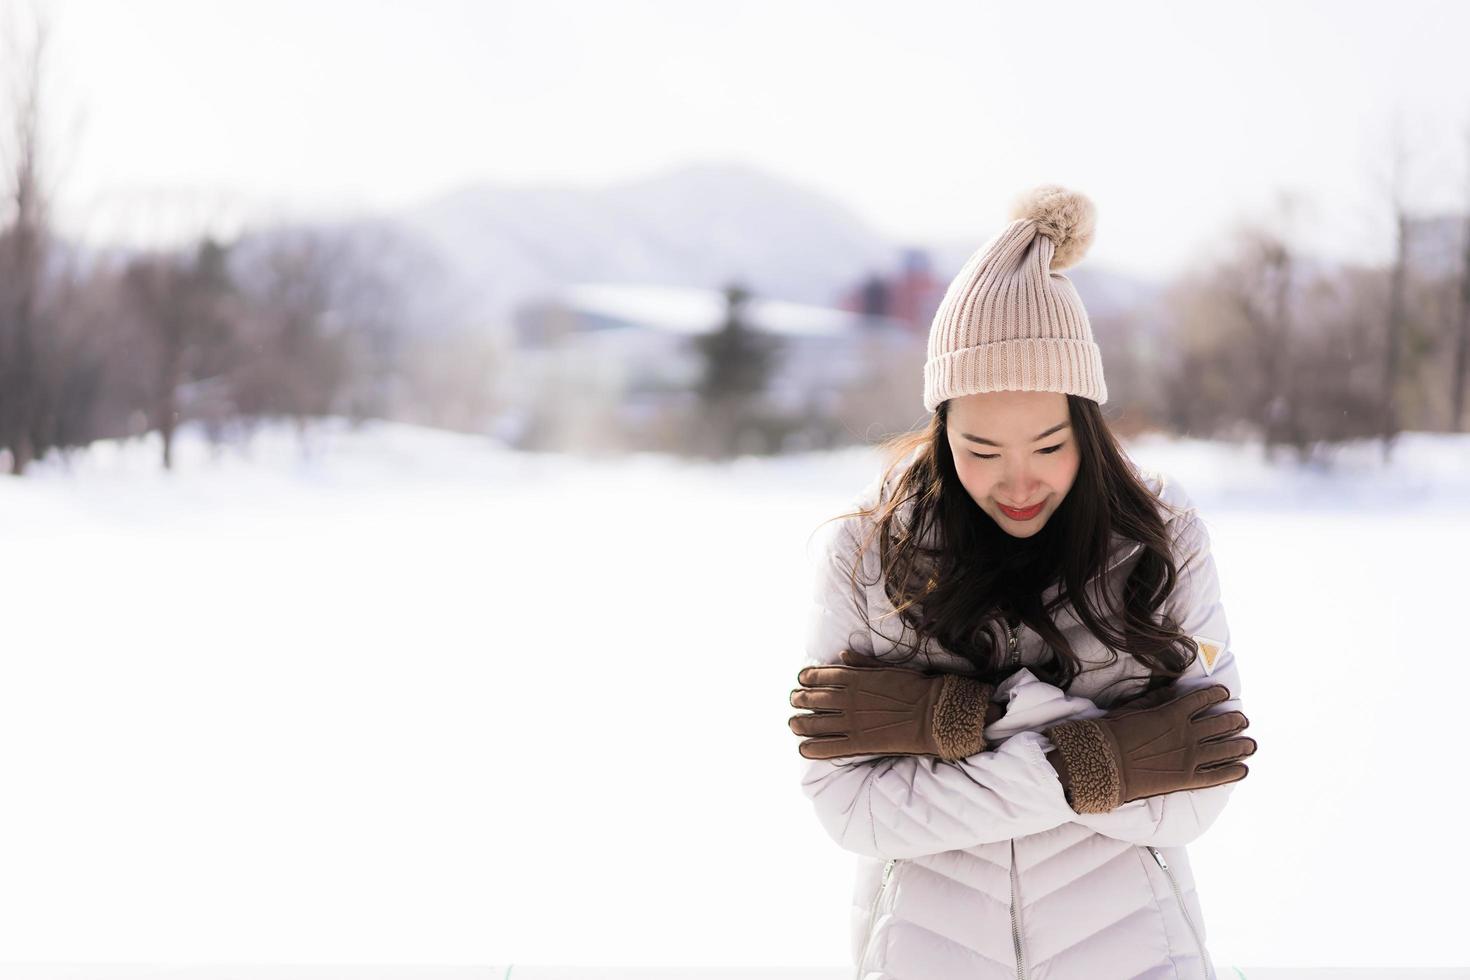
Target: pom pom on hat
[{"x": 1066, "y": 217}]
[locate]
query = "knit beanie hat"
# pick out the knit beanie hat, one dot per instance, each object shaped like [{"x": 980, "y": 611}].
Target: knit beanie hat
[{"x": 1010, "y": 321}]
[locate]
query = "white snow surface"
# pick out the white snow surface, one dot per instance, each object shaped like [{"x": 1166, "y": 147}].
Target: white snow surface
[{"x": 411, "y": 697}]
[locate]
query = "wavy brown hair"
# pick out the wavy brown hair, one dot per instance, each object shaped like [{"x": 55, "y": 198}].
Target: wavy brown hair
[{"x": 961, "y": 591}]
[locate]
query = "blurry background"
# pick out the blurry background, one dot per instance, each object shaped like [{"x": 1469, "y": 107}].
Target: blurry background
[{"x": 386, "y": 385}]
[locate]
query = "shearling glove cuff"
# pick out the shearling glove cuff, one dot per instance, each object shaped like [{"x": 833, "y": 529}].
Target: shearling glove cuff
[
  {"x": 1093, "y": 783},
  {"x": 959, "y": 716}
]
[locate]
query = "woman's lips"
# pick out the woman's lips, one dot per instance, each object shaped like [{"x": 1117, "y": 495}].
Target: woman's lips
[{"x": 1021, "y": 515}]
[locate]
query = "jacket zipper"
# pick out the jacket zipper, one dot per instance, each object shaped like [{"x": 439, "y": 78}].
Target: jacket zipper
[
  {"x": 873, "y": 914},
  {"x": 1182, "y": 907},
  {"x": 1015, "y": 659},
  {"x": 1015, "y": 912},
  {"x": 1015, "y": 920}
]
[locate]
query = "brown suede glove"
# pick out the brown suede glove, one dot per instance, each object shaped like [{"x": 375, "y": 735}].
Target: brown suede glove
[
  {"x": 1159, "y": 695},
  {"x": 994, "y": 710},
  {"x": 864, "y": 707},
  {"x": 1140, "y": 751}
]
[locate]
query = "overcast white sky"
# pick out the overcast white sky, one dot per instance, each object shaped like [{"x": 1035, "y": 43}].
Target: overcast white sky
[{"x": 925, "y": 117}]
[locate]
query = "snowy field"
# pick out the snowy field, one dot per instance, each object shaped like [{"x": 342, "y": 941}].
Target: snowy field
[{"x": 413, "y": 699}]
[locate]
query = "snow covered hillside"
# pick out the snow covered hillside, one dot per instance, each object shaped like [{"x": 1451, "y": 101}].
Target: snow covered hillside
[{"x": 412, "y": 698}]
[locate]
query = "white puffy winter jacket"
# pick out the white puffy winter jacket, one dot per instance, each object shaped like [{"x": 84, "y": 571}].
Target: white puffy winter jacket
[{"x": 978, "y": 868}]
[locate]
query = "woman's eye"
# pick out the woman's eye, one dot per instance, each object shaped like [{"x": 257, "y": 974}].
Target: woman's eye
[{"x": 1048, "y": 450}]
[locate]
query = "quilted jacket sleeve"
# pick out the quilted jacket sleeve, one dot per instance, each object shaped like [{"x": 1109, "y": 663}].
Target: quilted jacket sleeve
[
  {"x": 906, "y": 806},
  {"x": 1177, "y": 818}
]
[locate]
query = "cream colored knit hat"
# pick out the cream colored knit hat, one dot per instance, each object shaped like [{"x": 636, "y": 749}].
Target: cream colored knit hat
[{"x": 1010, "y": 321}]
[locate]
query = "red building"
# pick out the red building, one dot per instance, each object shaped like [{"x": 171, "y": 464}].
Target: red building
[{"x": 911, "y": 295}]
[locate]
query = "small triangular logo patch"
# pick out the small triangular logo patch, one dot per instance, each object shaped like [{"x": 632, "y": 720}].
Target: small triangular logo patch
[{"x": 1209, "y": 651}]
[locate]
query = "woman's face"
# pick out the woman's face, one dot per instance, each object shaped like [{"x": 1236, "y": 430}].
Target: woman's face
[{"x": 1014, "y": 450}]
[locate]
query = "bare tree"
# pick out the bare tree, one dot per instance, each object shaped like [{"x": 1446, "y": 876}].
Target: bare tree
[
  {"x": 319, "y": 326},
  {"x": 1394, "y": 188},
  {"x": 24, "y": 239},
  {"x": 1232, "y": 354},
  {"x": 181, "y": 303},
  {"x": 1458, "y": 379},
  {"x": 294, "y": 356},
  {"x": 1336, "y": 332},
  {"x": 1260, "y": 285}
]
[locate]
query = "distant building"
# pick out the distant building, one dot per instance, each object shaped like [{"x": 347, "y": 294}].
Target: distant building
[
  {"x": 620, "y": 357},
  {"x": 911, "y": 295}
]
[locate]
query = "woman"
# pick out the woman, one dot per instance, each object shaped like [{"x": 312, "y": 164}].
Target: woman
[{"x": 1023, "y": 699}]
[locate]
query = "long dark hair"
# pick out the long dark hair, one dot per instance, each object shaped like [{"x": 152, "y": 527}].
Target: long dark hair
[{"x": 954, "y": 575}]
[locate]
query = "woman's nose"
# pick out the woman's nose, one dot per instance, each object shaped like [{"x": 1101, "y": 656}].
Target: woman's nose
[{"x": 1019, "y": 483}]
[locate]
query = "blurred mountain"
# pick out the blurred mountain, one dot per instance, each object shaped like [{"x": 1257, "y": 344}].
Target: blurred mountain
[{"x": 701, "y": 225}]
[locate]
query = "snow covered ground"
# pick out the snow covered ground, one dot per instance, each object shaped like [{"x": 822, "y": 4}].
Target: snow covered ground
[
  {"x": 412, "y": 698},
  {"x": 91, "y": 971}
]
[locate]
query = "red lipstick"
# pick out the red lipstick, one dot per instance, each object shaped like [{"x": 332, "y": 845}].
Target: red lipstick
[{"x": 1020, "y": 515}]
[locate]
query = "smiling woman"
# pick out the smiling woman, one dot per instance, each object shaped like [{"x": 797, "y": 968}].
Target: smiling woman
[
  {"x": 1049, "y": 575},
  {"x": 1020, "y": 486}
]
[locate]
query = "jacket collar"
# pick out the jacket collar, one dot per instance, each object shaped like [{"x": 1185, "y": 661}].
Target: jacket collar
[{"x": 1121, "y": 549}]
